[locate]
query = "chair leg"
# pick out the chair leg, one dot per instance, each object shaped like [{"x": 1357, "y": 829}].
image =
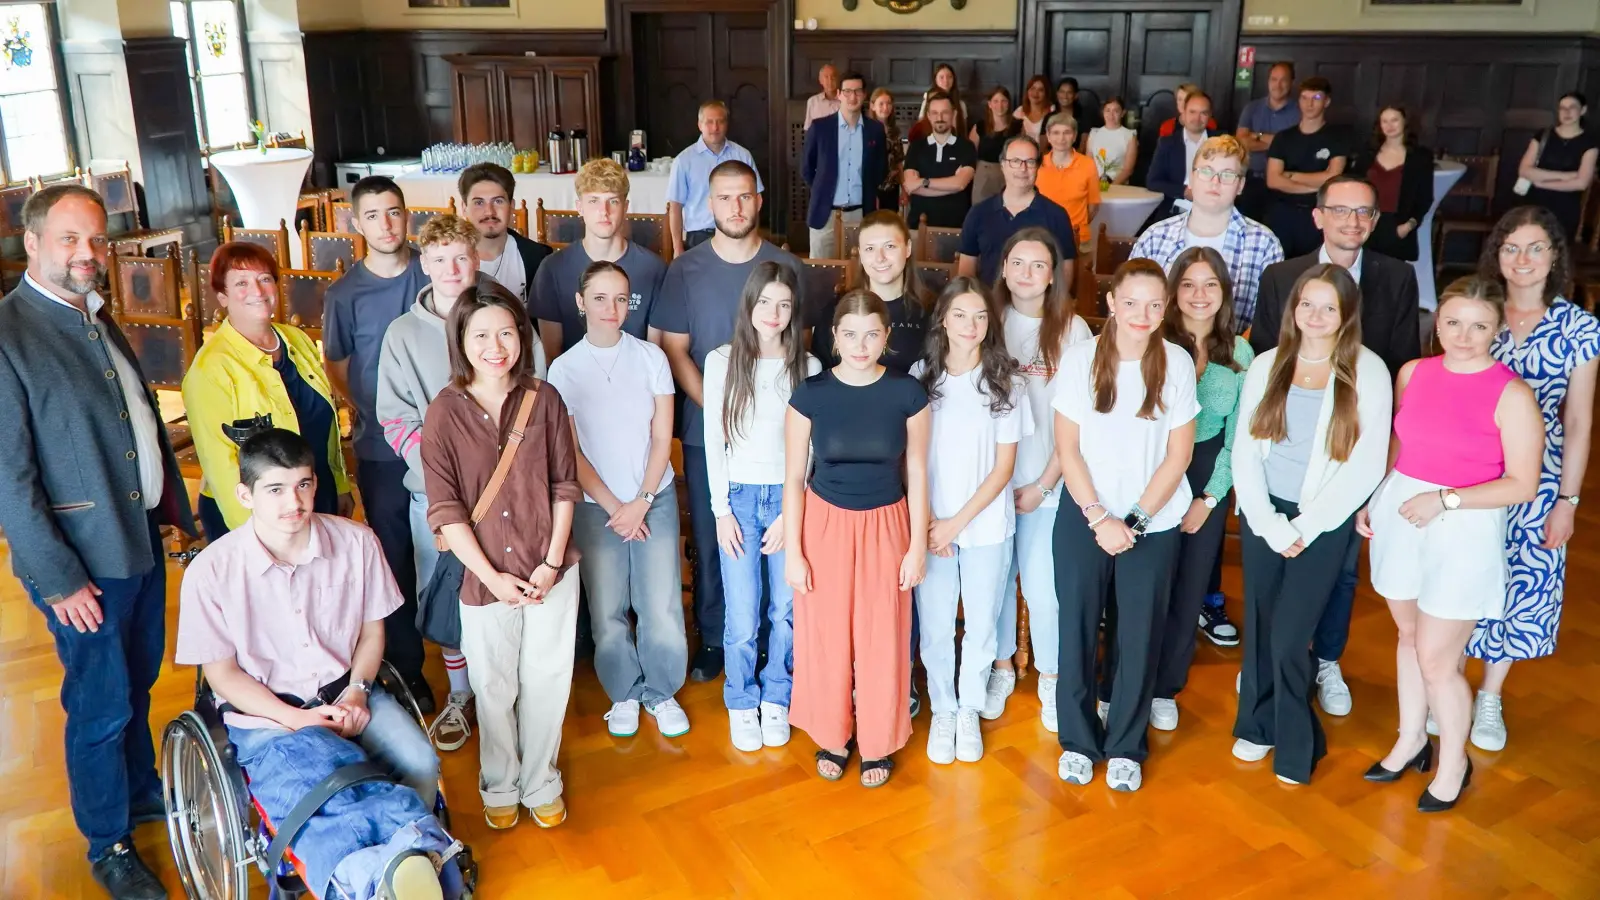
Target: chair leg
[{"x": 1024, "y": 639}]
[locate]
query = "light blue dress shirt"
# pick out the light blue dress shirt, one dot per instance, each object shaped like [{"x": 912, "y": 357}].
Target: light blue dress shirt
[
  {"x": 847, "y": 190},
  {"x": 689, "y": 184}
]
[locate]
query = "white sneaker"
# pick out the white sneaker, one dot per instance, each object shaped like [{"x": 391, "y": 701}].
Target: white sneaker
[
  {"x": 1287, "y": 780},
  {"x": 1433, "y": 726},
  {"x": 1047, "y": 703},
  {"x": 670, "y": 718},
  {"x": 1333, "y": 695},
  {"x": 1102, "y": 709},
  {"x": 1075, "y": 768},
  {"x": 1123, "y": 774},
  {"x": 942, "y": 739},
  {"x": 744, "y": 725},
  {"x": 1488, "y": 723},
  {"x": 1001, "y": 683},
  {"x": 774, "y": 724},
  {"x": 969, "y": 737},
  {"x": 450, "y": 729},
  {"x": 1164, "y": 714},
  {"x": 1238, "y": 683},
  {"x": 623, "y": 719},
  {"x": 1243, "y": 749}
]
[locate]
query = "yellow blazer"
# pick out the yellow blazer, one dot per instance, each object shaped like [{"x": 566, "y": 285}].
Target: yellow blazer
[{"x": 233, "y": 379}]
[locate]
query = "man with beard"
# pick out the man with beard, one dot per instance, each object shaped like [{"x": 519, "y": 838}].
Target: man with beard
[
  {"x": 939, "y": 169},
  {"x": 356, "y": 313},
  {"x": 696, "y": 310},
  {"x": 487, "y": 192},
  {"x": 90, "y": 479}
]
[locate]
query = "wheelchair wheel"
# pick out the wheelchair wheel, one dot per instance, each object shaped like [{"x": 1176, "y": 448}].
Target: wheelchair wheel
[{"x": 208, "y": 823}]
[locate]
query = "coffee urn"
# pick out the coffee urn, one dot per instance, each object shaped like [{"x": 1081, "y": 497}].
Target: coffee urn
[
  {"x": 558, "y": 150},
  {"x": 579, "y": 140}
]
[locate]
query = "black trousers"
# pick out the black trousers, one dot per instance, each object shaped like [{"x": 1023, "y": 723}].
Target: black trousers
[
  {"x": 1083, "y": 578},
  {"x": 1283, "y": 601},
  {"x": 693, "y": 239},
  {"x": 1333, "y": 631},
  {"x": 1294, "y": 227},
  {"x": 709, "y": 603},
  {"x": 387, "y": 504},
  {"x": 1255, "y": 201}
]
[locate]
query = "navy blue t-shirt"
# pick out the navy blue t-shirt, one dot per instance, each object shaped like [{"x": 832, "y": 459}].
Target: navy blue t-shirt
[
  {"x": 989, "y": 225},
  {"x": 858, "y": 436},
  {"x": 356, "y": 313},
  {"x": 316, "y": 426}
]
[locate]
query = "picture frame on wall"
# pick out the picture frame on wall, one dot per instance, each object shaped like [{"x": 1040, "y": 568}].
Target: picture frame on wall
[
  {"x": 462, "y": 6},
  {"x": 1459, "y": 4}
]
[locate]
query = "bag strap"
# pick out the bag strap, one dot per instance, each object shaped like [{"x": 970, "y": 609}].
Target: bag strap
[{"x": 503, "y": 467}]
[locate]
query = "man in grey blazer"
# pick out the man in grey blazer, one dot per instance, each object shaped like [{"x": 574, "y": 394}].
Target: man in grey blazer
[{"x": 87, "y": 477}]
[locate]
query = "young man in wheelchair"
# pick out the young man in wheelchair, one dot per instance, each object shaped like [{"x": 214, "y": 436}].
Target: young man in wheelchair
[{"x": 285, "y": 619}]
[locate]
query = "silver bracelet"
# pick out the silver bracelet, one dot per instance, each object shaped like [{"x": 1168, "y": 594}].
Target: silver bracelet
[{"x": 1104, "y": 515}]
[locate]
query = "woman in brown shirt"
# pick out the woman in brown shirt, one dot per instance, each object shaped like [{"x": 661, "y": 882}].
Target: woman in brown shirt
[{"x": 519, "y": 596}]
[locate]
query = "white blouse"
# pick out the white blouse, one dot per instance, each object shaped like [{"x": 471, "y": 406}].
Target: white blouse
[{"x": 756, "y": 455}]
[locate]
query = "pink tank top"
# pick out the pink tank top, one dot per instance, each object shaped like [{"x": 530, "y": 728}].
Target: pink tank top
[{"x": 1446, "y": 425}]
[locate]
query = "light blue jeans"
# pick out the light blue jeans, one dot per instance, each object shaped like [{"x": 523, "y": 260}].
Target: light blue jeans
[
  {"x": 646, "y": 577},
  {"x": 1034, "y": 561},
  {"x": 755, "y": 508},
  {"x": 974, "y": 578},
  {"x": 422, "y": 540}
]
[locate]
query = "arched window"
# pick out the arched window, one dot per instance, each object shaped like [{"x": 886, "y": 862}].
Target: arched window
[
  {"x": 33, "y": 120},
  {"x": 218, "y": 68}
]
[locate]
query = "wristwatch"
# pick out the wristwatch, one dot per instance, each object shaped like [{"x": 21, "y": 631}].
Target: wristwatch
[
  {"x": 1044, "y": 492},
  {"x": 1136, "y": 522},
  {"x": 364, "y": 687},
  {"x": 925, "y": 183},
  {"x": 648, "y": 498},
  {"x": 1450, "y": 498},
  {"x": 1570, "y": 498},
  {"x": 1209, "y": 501}
]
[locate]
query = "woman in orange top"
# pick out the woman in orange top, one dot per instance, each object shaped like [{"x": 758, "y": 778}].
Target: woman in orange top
[{"x": 1068, "y": 177}]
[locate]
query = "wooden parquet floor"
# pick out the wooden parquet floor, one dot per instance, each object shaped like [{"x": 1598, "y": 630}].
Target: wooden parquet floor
[{"x": 693, "y": 818}]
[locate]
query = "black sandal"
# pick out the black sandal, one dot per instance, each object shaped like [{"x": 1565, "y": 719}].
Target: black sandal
[
  {"x": 872, "y": 765},
  {"x": 837, "y": 759}
]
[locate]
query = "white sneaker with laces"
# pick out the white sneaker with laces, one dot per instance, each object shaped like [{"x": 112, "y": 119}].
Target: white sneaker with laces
[
  {"x": 1075, "y": 768},
  {"x": 1333, "y": 695},
  {"x": 942, "y": 739},
  {"x": 1164, "y": 714},
  {"x": 670, "y": 718},
  {"x": 1103, "y": 710},
  {"x": 744, "y": 725},
  {"x": 450, "y": 729},
  {"x": 1047, "y": 703},
  {"x": 1488, "y": 723},
  {"x": 1243, "y": 749},
  {"x": 774, "y": 724},
  {"x": 1123, "y": 774},
  {"x": 623, "y": 719},
  {"x": 969, "y": 736},
  {"x": 1001, "y": 683}
]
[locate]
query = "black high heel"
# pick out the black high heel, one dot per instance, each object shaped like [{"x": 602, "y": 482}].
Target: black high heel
[
  {"x": 1422, "y": 762},
  {"x": 1428, "y": 803}
]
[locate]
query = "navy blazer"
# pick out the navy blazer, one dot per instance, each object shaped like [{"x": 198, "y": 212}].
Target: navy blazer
[
  {"x": 821, "y": 167},
  {"x": 1168, "y": 171}
]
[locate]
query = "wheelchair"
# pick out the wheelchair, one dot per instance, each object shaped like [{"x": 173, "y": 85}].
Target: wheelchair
[{"x": 219, "y": 833}]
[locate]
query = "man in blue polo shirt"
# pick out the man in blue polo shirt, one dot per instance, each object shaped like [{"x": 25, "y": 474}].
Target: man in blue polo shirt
[
  {"x": 689, "y": 187},
  {"x": 1262, "y": 118},
  {"x": 991, "y": 223}
]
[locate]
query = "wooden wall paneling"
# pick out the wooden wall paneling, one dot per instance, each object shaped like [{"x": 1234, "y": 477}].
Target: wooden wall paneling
[
  {"x": 169, "y": 146},
  {"x": 475, "y": 107},
  {"x": 571, "y": 96}
]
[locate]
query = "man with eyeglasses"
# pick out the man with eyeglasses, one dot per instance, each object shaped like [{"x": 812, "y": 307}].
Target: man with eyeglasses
[
  {"x": 1299, "y": 162},
  {"x": 846, "y": 158},
  {"x": 1263, "y": 118},
  {"x": 1345, "y": 212},
  {"x": 991, "y": 223},
  {"x": 1173, "y": 162}
]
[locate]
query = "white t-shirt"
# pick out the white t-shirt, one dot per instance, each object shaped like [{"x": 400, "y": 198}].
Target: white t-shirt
[
  {"x": 961, "y": 453},
  {"x": 756, "y": 455},
  {"x": 1215, "y": 242},
  {"x": 507, "y": 269},
  {"x": 1122, "y": 450},
  {"x": 1034, "y": 450},
  {"x": 611, "y": 392}
]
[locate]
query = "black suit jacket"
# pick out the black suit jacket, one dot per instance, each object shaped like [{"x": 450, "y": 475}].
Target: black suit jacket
[{"x": 1389, "y": 312}]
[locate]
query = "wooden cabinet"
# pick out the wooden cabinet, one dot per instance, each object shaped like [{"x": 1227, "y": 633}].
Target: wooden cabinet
[{"x": 521, "y": 98}]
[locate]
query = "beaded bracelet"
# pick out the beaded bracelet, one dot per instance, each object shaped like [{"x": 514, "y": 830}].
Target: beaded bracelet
[{"x": 1104, "y": 515}]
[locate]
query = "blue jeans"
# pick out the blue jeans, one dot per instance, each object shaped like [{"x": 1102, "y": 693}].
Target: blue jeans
[
  {"x": 1333, "y": 629},
  {"x": 360, "y": 829},
  {"x": 755, "y": 508},
  {"x": 1034, "y": 562},
  {"x": 111, "y": 759},
  {"x": 646, "y": 577},
  {"x": 975, "y": 578}
]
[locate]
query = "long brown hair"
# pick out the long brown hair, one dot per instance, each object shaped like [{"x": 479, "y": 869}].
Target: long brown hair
[
  {"x": 1058, "y": 300},
  {"x": 911, "y": 288},
  {"x": 1049, "y": 98},
  {"x": 1153, "y": 366},
  {"x": 998, "y": 370},
  {"x": 1219, "y": 343},
  {"x": 861, "y": 302},
  {"x": 1270, "y": 423},
  {"x": 1010, "y": 125},
  {"x": 1559, "y": 283},
  {"x": 486, "y": 294},
  {"x": 744, "y": 351}
]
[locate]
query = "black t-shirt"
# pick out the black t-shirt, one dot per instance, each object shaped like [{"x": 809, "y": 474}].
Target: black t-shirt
[
  {"x": 1303, "y": 152},
  {"x": 926, "y": 160},
  {"x": 908, "y": 334},
  {"x": 858, "y": 436}
]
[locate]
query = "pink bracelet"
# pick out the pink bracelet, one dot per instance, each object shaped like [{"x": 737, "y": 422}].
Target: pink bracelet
[{"x": 1095, "y": 505}]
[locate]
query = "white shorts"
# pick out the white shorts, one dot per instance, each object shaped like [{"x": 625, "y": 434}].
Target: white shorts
[{"x": 1455, "y": 567}]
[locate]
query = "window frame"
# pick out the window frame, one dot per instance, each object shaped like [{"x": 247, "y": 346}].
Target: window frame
[
  {"x": 197, "y": 81},
  {"x": 69, "y": 133}
]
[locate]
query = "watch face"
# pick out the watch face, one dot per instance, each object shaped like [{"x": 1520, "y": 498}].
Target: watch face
[{"x": 1210, "y": 502}]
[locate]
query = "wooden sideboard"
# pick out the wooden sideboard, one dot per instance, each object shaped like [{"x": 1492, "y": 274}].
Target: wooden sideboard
[{"x": 521, "y": 98}]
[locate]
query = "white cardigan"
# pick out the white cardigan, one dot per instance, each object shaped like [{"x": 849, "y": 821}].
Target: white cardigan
[{"x": 1332, "y": 491}]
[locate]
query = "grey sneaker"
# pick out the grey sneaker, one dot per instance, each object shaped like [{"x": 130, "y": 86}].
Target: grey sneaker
[
  {"x": 1075, "y": 768},
  {"x": 670, "y": 718},
  {"x": 1164, "y": 714},
  {"x": 1123, "y": 774},
  {"x": 1488, "y": 723},
  {"x": 450, "y": 729},
  {"x": 1002, "y": 682},
  {"x": 1333, "y": 695},
  {"x": 1047, "y": 703}
]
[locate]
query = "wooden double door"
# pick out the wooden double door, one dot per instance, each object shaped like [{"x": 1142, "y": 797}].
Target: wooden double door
[{"x": 685, "y": 59}]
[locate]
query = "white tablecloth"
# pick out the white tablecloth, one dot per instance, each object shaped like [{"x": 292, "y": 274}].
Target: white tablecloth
[
  {"x": 647, "y": 191},
  {"x": 266, "y": 185},
  {"x": 1123, "y": 208},
  {"x": 1446, "y": 173}
]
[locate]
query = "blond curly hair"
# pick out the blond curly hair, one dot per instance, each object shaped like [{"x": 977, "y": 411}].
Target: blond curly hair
[
  {"x": 602, "y": 176},
  {"x": 446, "y": 229}
]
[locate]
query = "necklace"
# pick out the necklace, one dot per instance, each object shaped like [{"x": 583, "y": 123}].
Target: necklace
[
  {"x": 276, "y": 346},
  {"x": 596, "y": 357},
  {"x": 1306, "y": 379},
  {"x": 1535, "y": 314}
]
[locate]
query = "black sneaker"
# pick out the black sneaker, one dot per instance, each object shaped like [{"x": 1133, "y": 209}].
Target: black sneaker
[
  {"x": 422, "y": 692},
  {"x": 916, "y": 701},
  {"x": 125, "y": 876},
  {"x": 1215, "y": 624},
  {"x": 707, "y": 664}
]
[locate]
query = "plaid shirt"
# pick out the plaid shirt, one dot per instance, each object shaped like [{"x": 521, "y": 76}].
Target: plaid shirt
[{"x": 1247, "y": 246}]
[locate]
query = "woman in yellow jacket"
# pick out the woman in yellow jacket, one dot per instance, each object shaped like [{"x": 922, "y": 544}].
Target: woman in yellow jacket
[{"x": 252, "y": 367}]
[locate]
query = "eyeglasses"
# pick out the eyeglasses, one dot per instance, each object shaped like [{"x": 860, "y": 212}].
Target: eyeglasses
[
  {"x": 1226, "y": 176},
  {"x": 1017, "y": 162},
  {"x": 852, "y": 91},
  {"x": 1535, "y": 250},
  {"x": 1362, "y": 213}
]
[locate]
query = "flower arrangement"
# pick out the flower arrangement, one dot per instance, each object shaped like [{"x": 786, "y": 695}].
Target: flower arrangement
[
  {"x": 1108, "y": 169},
  {"x": 260, "y": 131}
]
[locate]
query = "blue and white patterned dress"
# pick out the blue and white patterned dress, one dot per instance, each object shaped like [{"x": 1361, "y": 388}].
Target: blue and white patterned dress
[{"x": 1565, "y": 338}]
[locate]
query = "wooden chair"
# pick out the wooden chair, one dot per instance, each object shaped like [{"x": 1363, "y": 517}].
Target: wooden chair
[
  {"x": 274, "y": 239},
  {"x": 197, "y": 287},
  {"x": 145, "y": 242},
  {"x": 823, "y": 280},
  {"x": 321, "y": 250},
  {"x": 300, "y": 298},
  {"x": 224, "y": 207},
  {"x": 285, "y": 139},
  {"x": 163, "y": 331},
  {"x": 556, "y": 227},
  {"x": 419, "y": 216},
  {"x": 338, "y": 215},
  {"x": 11, "y": 272},
  {"x": 1088, "y": 300},
  {"x": 846, "y": 237},
  {"x": 1476, "y": 192},
  {"x": 519, "y": 219},
  {"x": 937, "y": 244},
  {"x": 1110, "y": 252},
  {"x": 115, "y": 187},
  {"x": 650, "y": 230},
  {"x": 11, "y": 203},
  {"x": 935, "y": 276}
]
